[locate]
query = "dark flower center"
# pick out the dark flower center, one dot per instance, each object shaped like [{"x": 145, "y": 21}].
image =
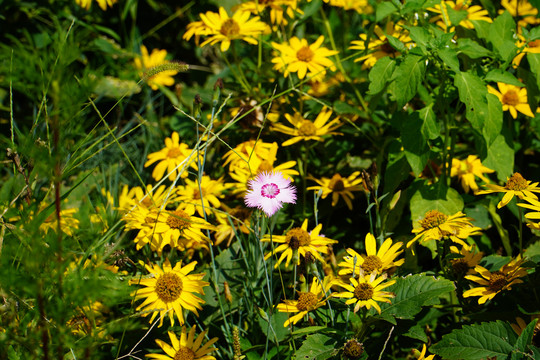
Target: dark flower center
[
  {"x": 229, "y": 27},
  {"x": 306, "y": 301},
  {"x": 372, "y": 262},
  {"x": 516, "y": 182},
  {"x": 497, "y": 281},
  {"x": 353, "y": 349},
  {"x": 184, "y": 353},
  {"x": 336, "y": 183},
  {"x": 432, "y": 219},
  {"x": 460, "y": 267},
  {"x": 307, "y": 128},
  {"x": 178, "y": 220},
  {"x": 363, "y": 291},
  {"x": 510, "y": 98},
  {"x": 305, "y": 54},
  {"x": 169, "y": 287},
  {"x": 297, "y": 237}
]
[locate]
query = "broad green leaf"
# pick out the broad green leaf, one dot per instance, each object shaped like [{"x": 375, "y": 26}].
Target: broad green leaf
[
  {"x": 408, "y": 75},
  {"x": 309, "y": 330},
  {"x": 413, "y": 292},
  {"x": 473, "y": 92},
  {"x": 526, "y": 337},
  {"x": 397, "y": 168},
  {"x": 435, "y": 197},
  {"x": 384, "y": 9},
  {"x": 417, "y": 332},
  {"x": 475, "y": 342},
  {"x": 274, "y": 330},
  {"x": 449, "y": 57},
  {"x": 494, "y": 121},
  {"x": 472, "y": 49},
  {"x": 415, "y": 145},
  {"x": 396, "y": 43},
  {"x": 317, "y": 347},
  {"x": 534, "y": 64},
  {"x": 419, "y": 35},
  {"x": 500, "y": 157},
  {"x": 455, "y": 16},
  {"x": 498, "y": 75},
  {"x": 501, "y": 34},
  {"x": 380, "y": 74},
  {"x": 430, "y": 128}
]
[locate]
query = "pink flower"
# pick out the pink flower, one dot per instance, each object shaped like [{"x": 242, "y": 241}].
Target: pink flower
[{"x": 268, "y": 190}]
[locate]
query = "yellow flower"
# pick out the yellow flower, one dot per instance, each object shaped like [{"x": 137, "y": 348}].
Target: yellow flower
[
  {"x": 360, "y": 6},
  {"x": 516, "y": 185},
  {"x": 170, "y": 291},
  {"x": 235, "y": 220},
  {"x": 531, "y": 47},
  {"x": 174, "y": 159},
  {"x": 470, "y": 258},
  {"x": 306, "y": 302},
  {"x": 366, "y": 291},
  {"x": 207, "y": 194},
  {"x": 298, "y": 56},
  {"x": 422, "y": 355},
  {"x": 88, "y": 319},
  {"x": 304, "y": 130},
  {"x": 435, "y": 226},
  {"x": 276, "y": 8},
  {"x": 379, "y": 261},
  {"x": 467, "y": 169},
  {"x": 497, "y": 281},
  {"x": 338, "y": 187},
  {"x": 178, "y": 229},
  {"x": 151, "y": 197},
  {"x": 512, "y": 98},
  {"x": 521, "y": 8},
  {"x": 380, "y": 47},
  {"x": 187, "y": 347},
  {"x": 68, "y": 223},
  {"x": 532, "y": 215},
  {"x": 521, "y": 325},
  {"x": 298, "y": 242},
  {"x": 474, "y": 12},
  {"x": 85, "y": 4},
  {"x": 147, "y": 62},
  {"x": 250, "y": 155},
  {"x": 223, "y": 29}
]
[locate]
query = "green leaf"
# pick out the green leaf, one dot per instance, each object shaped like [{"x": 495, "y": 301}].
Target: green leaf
[
  {"x": 413, "y": 292},
  {"x": 475, "y": 342},
  {"x": 534, "y": 64},
  {"x": 500, "y": 157},
  {"x": 384, "y": 9},
  {"x": 498, "y": 75},
  {"x": 274, "y": 330},
  {"x": 449, "y": 57},
  {"x": 317, "y": 347},
  {"x": 435, "y": 197},
  {"x": 501, "y": 34},
  {"x": 380, "y": 74},
  {"x": 526, "y": 337},
  {"x": 309, "y": 330},
  {"x": 472, "y": 49},
  {"x": 430, "y": 128},
  {"x": 12, "y": 354},
  {"x": 473, "y": 92},
  {"x": 408, "y": 76},
  {"x": 494, "y": 121},
  {"x": 415, "y": 145},
  {"x": 419, "y": 35},
  {"x": 417, "y": 332}
]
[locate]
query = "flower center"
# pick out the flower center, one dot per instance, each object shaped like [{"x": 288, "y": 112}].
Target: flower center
[
  {"x": 184, "y": 353},
  {"x": 265, "y": 166},
  {"x": 197, "y": 194},
  {"x": 516, "y": 182},
  {"x": 169, "y": 287},
  {"x": 432, "y": 219},
  {"x": 305, "y": 54},
  {"x": 510, "y": 98},
  {"x": 174, "y": 152},
  {"x": 353, "y": 349},
  {"x": 497, "y": 281},
  {"x": 460, "y": 267},
  {"x": 372, "y": 262},
  {"x": 306, "y": 301},
  {"x": 534, "y": 44},
  {"x": 270, "y": 190},
  {"x": 297, "y": 237},
  {"x": 387, "y": 48},
  {"x": 229, "y": 27},
  {"x": 336, "y": 183},
  {"x": 307, "y": 128},
  {"x": 363, "y": 291},
  {"x": 178, "y": 220}
]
